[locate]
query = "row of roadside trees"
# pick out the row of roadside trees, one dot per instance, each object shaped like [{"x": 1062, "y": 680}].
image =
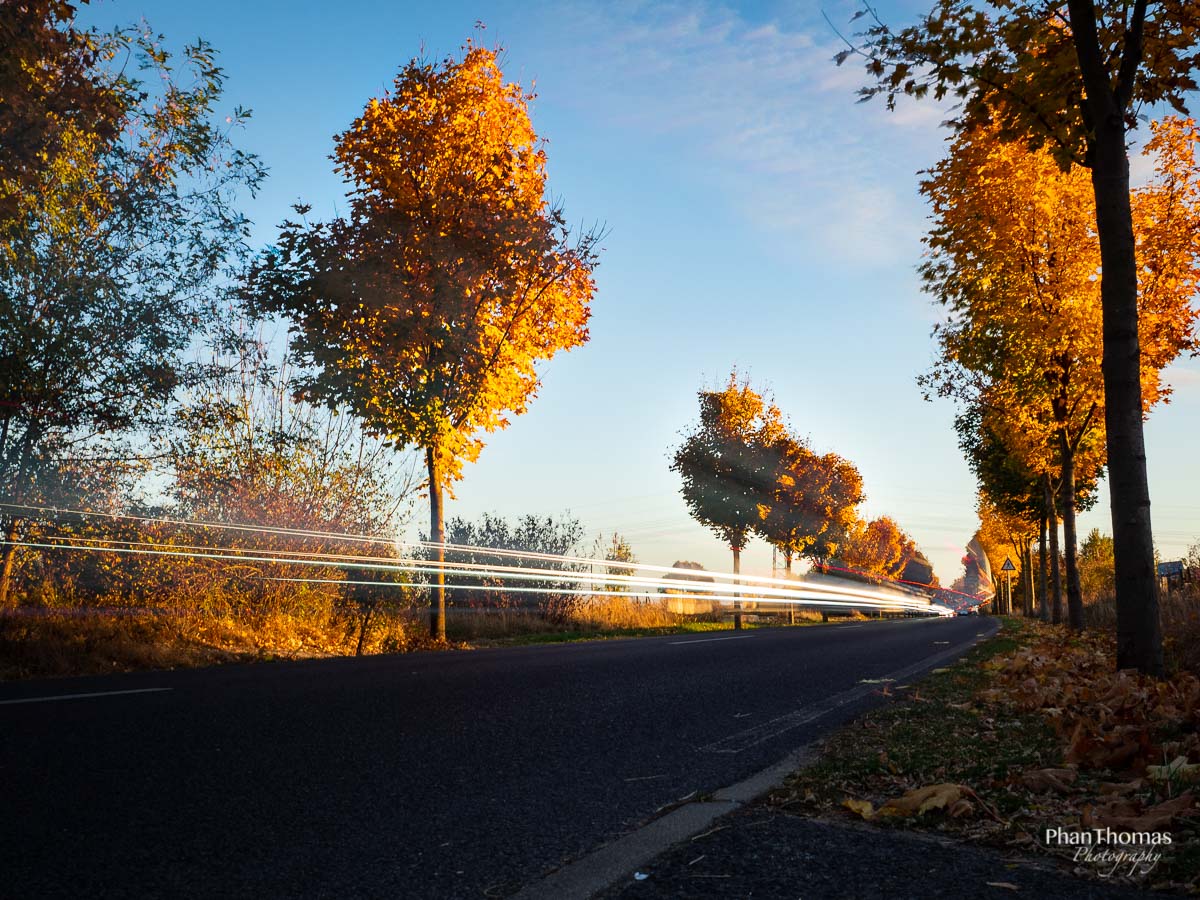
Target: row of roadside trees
[
  {"x": 1032, "y": 83},
  {"x": 745, "y": 473},
  {"x": 1014, "y": 259}
]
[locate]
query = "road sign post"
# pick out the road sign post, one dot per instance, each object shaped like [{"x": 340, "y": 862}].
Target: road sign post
[{"x": 1008, "y": 568}]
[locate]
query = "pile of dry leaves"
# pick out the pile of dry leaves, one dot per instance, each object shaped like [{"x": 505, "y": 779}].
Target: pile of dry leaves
[{"x": 1138, "y": 737}]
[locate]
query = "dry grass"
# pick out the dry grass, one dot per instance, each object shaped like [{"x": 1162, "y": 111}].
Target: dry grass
[
  {"x": 64, "y": 639},
  {"x": 600, "y": 615},
  {"x": 1180, "y": 611},
  {"x": 57, "y": 642}
]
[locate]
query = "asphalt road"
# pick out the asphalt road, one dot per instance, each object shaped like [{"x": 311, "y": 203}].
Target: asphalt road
[{"x": 426, "y": 775}]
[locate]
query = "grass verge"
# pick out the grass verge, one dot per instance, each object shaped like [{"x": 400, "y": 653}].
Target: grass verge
[{"x": 1033, "y": 730}]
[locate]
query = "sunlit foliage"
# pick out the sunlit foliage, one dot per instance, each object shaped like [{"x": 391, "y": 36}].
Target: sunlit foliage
[
  {"x": 1014, "y": 258},
  {"x": 1071, "y": 79},
  {"x": 426, "y": 309},
  {"x": 878, "y": 547}
]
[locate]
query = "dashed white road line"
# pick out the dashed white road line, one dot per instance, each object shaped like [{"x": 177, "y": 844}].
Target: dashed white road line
[
  {"x": 57, "y": 697},
  {"x": 740, "y": 637}
]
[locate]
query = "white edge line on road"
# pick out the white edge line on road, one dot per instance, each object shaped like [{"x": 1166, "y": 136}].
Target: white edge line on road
[
  {"x": 740, "y": 637},
  {"x": 82, "y": 696}
]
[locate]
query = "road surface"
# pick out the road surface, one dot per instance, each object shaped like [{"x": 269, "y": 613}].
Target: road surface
[{"x": 426, "y": 775}]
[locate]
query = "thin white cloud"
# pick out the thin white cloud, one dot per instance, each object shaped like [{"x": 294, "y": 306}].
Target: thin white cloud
[{"x": 765, "y": 114}]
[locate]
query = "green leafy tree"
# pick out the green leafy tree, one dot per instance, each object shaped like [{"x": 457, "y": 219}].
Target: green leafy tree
[
  {"x": 470, "y": 541},
  {"x": 111, "y": 263},
  {"x": 427, "y": 309},
  {"x": 1096, "y": 565},
  {"x": 1070, "y": 77}
]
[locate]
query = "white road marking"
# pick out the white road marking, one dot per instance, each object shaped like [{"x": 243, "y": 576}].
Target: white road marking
[
  {"x": 740, "y": 637},
  {"x": 82, "y": 696},
  {"x": 765, "y": 731}
]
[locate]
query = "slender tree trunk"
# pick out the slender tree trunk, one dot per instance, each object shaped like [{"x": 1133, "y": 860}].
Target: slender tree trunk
[
  {"x": 1139, "y": 631},
  {"x": 1056, "y": 605},
  {"x": 364, "y": 625},
  {"x": 437, "y": 534},
  {"x": 787, "y": 572},
  {"x": 8, "y": 560},
  {"x": 737, "y": 602},
  {"x": 1027, "y": 579},
  {"x": 1043, "y": 574},
  {"x": 1074, "y": 590}
]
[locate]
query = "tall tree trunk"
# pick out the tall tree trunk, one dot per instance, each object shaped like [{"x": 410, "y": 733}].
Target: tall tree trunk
[
  {"x": 737, "y": 602},
  {"x": 1074, "y": 590},
  {"x": 437, "y": 534},
  {"x": 8, "y": 560},
  {"x": 1139, "y": 632},
  {"x": 1043, "y": 573},
  {"x": 365, "y": 623},
  {"x": 1056, "y": 604}
]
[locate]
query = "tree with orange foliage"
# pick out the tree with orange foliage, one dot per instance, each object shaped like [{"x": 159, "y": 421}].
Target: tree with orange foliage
[
  {"x": 426, "y": 310},
  {"x": 1014, "y": 256},
  {"x": 1005, "y": 535},
  {"x": 879, "y": 547},
  {"x": 810, "y": 509},
  {"x": 1071, "y": 77}
]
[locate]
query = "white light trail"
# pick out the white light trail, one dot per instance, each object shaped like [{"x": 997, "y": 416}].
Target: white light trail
[
  {"x": 796, "y": 594},
  {"x": 745, "y": 583}
]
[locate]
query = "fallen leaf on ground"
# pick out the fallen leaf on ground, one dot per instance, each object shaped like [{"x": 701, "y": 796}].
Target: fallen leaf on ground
[
  {"x": 862, "y": 807},
  {"x": 1178, "y": 769},
  {"x": 922, "y": 799},
  {"x": 960, "y": 809}
]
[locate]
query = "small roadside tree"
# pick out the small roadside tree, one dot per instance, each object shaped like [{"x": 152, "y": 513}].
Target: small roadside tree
[
  {"x": 426, "y": 310},
  {"x": 727, "y": 466}
]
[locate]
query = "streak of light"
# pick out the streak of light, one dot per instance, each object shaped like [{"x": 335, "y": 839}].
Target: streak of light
[
  {"x": 793, "y": 594},
  {"x": 587, "y": 592},
  {"x": 745, "y": 582}
]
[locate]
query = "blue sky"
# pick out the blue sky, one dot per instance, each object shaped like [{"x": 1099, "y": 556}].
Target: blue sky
[{"x": 758, "y": 217}]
